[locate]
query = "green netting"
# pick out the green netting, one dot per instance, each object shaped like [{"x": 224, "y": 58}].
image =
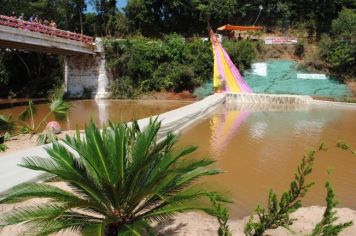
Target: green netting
[
  {"x": 205, "y": 90},
  {"x": 282, "y": 79}
]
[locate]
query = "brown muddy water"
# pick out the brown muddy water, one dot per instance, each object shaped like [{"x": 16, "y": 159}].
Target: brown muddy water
[
  {"x": 103, "y": 110},
  {"x": 261, "y": 150}
]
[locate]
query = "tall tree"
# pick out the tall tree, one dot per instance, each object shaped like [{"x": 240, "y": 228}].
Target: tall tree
[{"x": 106, "y": 13}]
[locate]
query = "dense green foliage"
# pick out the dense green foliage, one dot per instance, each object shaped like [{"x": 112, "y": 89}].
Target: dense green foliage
[
  {"x": 141, "y": 64},
  {"x": 339, "y": 49},
  {"x": 242, "y": 53},
  {"x": 174, "y": 64},
  {"x": 151, "y": 17},
  {"x": 29, "y": 74},
  {"x": 122, "y": 181},
  {"x": 157, "y": 19}
]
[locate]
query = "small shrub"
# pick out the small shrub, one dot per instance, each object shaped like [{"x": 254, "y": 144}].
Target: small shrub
[
  {"x": 278, "y": 212},
  {"x": 299, "y": 50},
  {"x": 123, "y": 88},
  {"x": 3, "y": 147},
  {"x": 222, "y": 215},
  {"x": 343, "y": 145},
  {"x": 242, "y": 53},
  {"x": 325, "y": 226}
]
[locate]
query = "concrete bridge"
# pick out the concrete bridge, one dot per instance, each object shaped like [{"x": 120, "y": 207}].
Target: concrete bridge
[{"x": 84, "y": 59}]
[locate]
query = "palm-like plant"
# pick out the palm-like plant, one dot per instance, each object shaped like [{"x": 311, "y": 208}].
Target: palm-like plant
[
  {"x": 57, "y": 107},
  {"x": 6, "y": 124},
  {"x": 121, "y": 179}
]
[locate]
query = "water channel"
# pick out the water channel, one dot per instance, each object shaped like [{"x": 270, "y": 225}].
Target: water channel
[{"x": 260, "y": 149}]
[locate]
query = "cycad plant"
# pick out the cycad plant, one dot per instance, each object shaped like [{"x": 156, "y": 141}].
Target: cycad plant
[
  {"x": 58, "y": 107},
  {"x": 120, "y": 179}
]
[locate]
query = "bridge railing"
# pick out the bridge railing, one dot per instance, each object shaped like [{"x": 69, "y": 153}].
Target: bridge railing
[{"x": 43, "y": 29}]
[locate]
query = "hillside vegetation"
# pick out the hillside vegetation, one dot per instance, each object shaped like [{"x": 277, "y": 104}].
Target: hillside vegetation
[{"x": 326, "y": 30}]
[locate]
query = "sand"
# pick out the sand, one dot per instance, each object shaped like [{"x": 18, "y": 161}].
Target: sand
[
  {"x": 198, "y": 224},
  {"x": 23, "y": 141}
]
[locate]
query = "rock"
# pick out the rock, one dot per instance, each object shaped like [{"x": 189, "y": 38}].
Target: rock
[{"x": 54, "y": 126}]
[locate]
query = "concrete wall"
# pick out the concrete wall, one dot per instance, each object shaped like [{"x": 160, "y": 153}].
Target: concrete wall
[{"x": 85, "y": 75}]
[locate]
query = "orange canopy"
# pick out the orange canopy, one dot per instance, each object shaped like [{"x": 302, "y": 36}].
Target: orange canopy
[{"x": 239, "y": 27}]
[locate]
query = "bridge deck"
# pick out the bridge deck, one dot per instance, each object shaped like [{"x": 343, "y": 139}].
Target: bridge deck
[{"x": 29, "y": 37}]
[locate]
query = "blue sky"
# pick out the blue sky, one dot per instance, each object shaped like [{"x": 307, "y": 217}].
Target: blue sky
[{"x": 120, "y": 4}]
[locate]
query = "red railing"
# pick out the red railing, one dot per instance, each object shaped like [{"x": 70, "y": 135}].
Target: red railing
[{"x": 43, "y": 29}]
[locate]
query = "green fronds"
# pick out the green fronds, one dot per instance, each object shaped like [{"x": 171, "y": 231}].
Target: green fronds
[
  {"x": 118, "y": 177},
  {"x": 29, "y": 112},
  {"x": 326, "y": 226},
  {"x": 6, "y": 124},
  {"x": 59, "y": 108},
  {"x": 278, "y": 211},
  {"x": 48, "y": 136},
  {"x": 27, "y": 191}
]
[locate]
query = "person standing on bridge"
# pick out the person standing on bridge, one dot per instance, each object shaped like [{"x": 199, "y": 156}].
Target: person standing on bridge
[
  {"x": 53, "y": 24},
  {"x": 21, "y": 17},
  {"x": 32, "y": 18},
  {"x": 13, "y": 15}
]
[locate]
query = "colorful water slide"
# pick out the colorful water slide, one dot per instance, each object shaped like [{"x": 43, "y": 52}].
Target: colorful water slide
[{"x": 227, "y": 77}]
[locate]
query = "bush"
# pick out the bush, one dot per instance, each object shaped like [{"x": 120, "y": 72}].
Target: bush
[
  {"x": 172, "y": 64},
  {"x": 344, "y": 27},
  {"x": 299, "y": 50},
  {"x": 340, "y": 56},
  {"x": 242, "y": 53},
  {"x": 122, "y": 88}
]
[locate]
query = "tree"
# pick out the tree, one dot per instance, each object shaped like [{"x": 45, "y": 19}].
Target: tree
[
  {"x": 106, "y": 11},
  {"x": 120, "y": 179},
  {"x": 344, "y": 27}
]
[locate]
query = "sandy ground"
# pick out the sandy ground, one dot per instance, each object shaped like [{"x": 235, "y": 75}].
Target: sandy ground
[
  {"x": 24, "y": 141},
  {"x": 197, "y": 224}
]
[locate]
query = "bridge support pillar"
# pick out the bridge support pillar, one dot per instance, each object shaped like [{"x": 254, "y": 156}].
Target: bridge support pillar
[{"x": 86, "y": 76}]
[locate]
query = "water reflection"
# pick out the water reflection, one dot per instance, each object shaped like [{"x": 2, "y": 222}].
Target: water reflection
[{"x": 224, "y": 127}]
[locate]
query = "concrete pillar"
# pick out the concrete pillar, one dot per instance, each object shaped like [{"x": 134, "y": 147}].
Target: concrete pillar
[{"x": 85, "y": 75}]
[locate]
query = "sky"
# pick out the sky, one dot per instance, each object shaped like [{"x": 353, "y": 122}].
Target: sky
[{"x": 120, "y": 4}]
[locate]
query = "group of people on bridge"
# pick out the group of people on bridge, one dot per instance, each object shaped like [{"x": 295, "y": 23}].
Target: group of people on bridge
[
  {"x": 43, "y": 26},
  {"x": 35, "y": 19}
]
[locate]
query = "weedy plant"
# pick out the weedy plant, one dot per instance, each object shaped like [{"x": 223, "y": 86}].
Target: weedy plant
[
  {"x": 222, "y": 215},
  {"x": 326, "y": 225},
  {"x": 278, "y": 211},
  {"x": 120, "y": 179},
  {"x": 26, "y": 121}
]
